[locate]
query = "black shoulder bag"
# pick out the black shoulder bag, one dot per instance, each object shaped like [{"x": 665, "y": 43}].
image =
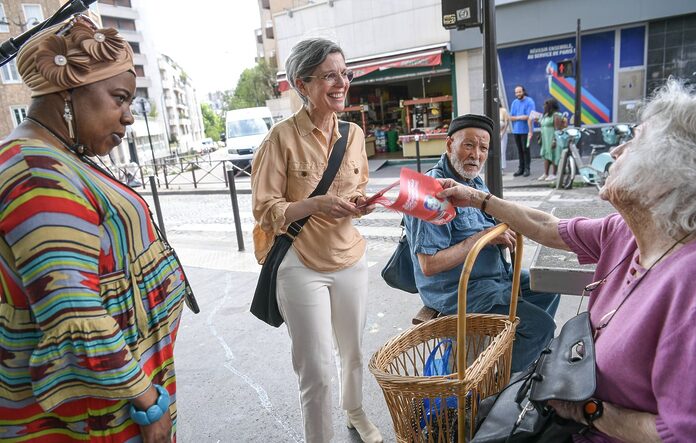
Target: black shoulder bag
[
  {"x": 398, "y": 272},
  {"x": 265, "y": 304},
  {"x": 565, "y": 370}
]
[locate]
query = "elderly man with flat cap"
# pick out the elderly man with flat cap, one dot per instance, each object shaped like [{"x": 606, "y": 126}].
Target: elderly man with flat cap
[{"x": 439, "y": 250}]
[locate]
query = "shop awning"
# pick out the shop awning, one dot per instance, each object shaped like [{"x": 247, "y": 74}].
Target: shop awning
[
  {"x": 430, "y": 58},
  {"x": 419, "y": 59}
]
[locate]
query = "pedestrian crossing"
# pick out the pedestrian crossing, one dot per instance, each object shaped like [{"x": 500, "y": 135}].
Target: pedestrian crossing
[{"x": 382, "y": 224}]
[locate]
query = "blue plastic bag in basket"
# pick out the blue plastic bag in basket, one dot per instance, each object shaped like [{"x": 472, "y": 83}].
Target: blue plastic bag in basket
[{"x": 437, "y": 366}]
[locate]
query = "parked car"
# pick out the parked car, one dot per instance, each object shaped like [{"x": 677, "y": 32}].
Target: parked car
[
  {"x": 246, "y": 129},
  {"x": 208, "y": 145}
]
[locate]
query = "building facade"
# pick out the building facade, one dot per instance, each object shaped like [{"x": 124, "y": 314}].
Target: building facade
[
  {"x": 397, "y": 49},
  {"x": 16, "y": 17},
  {"x": 125, "y": 16},
  {"x": 628, "y": 48},
  {"x": 181, "y": 110}
]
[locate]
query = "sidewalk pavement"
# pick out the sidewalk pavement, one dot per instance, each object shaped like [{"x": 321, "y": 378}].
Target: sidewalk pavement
[
  {"x": 380, "y": 170},
  {"x": 235, "y": 377}
]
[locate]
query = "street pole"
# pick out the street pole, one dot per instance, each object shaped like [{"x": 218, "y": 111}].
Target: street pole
[
  {"x": 149, "y": 138},
  {"x": 494, "y": 179},
  {"x": 577, "y": 120}
]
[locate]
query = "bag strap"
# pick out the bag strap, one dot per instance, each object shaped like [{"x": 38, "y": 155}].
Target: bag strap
[{"x": 335, "y": 160}]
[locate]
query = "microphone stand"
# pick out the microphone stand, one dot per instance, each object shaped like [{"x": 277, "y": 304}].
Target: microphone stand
[{"x": 9, "y": 48}]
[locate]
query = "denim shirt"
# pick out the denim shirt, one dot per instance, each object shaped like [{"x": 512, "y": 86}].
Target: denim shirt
[{"x": 491, "y": 278}]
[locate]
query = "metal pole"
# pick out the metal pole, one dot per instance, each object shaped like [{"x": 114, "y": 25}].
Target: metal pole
[
  {"x": 152, "y": 150},
  {"x": 494, "y": 178},
  {"x": 418, "y": 161},
  {"x": 235, "y": 210},
  {"x": 158, "y": 209},
  {"x": 577, "y": 120}
]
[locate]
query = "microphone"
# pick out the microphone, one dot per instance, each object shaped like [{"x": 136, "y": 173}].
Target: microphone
[{"x": 10, "y": 47}]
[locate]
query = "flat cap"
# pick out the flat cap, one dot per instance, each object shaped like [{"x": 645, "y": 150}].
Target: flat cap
[{"x": 471, "y": 121}]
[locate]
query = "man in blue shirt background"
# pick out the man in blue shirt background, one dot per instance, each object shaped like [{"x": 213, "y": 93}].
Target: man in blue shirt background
[
  {"x": 439, "y": 251},
  {"x": 522, "y": 128}
]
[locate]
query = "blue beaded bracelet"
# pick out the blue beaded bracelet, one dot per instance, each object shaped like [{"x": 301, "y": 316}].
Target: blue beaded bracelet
[{"x": 154, "y": 412}]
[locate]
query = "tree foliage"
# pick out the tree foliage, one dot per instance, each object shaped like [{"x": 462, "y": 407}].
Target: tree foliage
[
  {"x": 254, "y": 87},
  {"x": 213, "y": 123}
]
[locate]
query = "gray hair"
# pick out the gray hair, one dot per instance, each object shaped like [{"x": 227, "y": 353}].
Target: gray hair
[
  {"x": 305, "y": 56},
  {"x": 663, "y": 172}
]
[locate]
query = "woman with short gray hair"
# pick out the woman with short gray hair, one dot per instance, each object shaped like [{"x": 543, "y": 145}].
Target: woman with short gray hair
[
  {"x": 643, "y": 302},
  {"x": 322, "y": 281}
]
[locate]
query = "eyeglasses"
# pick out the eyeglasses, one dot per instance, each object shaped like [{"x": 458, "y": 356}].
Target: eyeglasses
[{"x": 332, "y": 77}]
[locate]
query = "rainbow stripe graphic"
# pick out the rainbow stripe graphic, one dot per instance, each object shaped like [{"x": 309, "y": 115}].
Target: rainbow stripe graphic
[{"x": 563, "y": 90}]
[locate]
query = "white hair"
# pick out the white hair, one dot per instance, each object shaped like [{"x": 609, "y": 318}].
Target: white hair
[{"x": 662, "y": 171}]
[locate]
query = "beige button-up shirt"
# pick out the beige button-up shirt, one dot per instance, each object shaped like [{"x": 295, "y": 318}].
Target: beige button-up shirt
[{"x": 287, "y": 167}]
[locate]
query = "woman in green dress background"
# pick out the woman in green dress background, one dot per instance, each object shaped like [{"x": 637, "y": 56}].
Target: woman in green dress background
[{"x": 550, "y": 122}]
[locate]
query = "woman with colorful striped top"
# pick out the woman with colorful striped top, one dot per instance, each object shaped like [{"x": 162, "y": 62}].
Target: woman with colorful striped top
[{"x": 91, "y": 295}]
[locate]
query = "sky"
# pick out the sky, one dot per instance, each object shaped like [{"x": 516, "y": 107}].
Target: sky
[{"x": 212, "y": 40}]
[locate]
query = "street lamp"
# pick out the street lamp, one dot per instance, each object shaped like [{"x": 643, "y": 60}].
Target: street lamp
[{"x": 142, "y": 107}]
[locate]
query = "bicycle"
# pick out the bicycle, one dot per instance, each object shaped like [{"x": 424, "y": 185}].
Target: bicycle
[
  {"x": 571, "y": 163},
  {"x": 617, "y": 134}
]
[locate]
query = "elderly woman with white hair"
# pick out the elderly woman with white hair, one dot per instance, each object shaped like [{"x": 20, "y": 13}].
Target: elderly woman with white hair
[
  {"x": 322, "y": 281},
  {"x": 643, "y": 304}
]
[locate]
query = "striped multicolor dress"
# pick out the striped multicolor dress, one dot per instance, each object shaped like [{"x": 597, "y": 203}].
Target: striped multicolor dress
[{"x": 90, "y": 304}]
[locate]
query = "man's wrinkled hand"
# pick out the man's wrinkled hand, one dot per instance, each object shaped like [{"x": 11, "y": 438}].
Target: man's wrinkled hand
[{"x": 457, "y": 194}]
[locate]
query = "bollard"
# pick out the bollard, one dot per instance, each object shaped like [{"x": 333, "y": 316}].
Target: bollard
[
  {"x": 166, "y": 182},
  {"x": 235, "y": 210},
  {"x": 158, "y": 209},
  {"x": 418, "y": 162}
]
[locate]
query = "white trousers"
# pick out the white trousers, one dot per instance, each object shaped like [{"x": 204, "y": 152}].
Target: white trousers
[{"x": 323, "y": 311}]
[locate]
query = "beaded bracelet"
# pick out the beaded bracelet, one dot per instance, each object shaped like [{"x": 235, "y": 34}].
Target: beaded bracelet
[{"x": 154, "y": 412}]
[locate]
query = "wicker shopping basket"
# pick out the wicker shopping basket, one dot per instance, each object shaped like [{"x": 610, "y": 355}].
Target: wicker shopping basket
[{"x": 429, "y": 408}]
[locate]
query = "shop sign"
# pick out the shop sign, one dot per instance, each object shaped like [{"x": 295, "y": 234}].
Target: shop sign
[{"x": 535, "y": 66}]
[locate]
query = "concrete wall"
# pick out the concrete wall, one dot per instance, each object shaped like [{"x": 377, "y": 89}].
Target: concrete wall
[{"x": 363, "y": 28}]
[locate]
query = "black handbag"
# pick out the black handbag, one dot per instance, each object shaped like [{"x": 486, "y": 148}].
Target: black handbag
[
  {"x": 398, "y": 272},
  {"x": 565, "y": 370},
  {"x": 265, "y": 304}
]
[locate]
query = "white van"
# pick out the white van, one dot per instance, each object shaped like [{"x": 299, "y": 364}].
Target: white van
[{"x": 245, "y": 130}]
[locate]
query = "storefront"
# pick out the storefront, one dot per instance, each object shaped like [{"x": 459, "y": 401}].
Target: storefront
[
  {"x": 613, "y": 73},
  {"x": 397, "y": 94}
]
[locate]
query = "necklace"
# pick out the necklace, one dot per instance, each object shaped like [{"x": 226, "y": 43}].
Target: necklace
[
  {"x": 76, "y": 149},
  {"x": 189, "y": 298},
  {"x": 604, "y": 321}
]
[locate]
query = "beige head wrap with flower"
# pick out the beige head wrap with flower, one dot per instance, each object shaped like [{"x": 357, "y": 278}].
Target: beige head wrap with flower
[{"x": 72, "y": 54}]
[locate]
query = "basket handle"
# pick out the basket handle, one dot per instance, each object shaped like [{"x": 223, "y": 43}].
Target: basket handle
[{"x": 464, "y": 281}]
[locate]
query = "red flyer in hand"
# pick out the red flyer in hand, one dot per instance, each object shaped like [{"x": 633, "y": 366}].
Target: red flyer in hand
[{"x": 417, "y": 198}]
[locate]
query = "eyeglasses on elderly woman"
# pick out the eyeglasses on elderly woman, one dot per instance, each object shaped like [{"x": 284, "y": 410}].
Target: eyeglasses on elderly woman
[{"x": 332, "y": 77}]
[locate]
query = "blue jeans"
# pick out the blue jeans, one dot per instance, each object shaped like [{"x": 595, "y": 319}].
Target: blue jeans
[{"x": 536, "y": 327}]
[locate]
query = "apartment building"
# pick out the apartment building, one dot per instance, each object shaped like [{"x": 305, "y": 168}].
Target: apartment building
[
  {"x": 125, "y": 16},
  {"x": 16, "y": 17},
  {"x": 266, "y": 45},
  {"x": 181, "y": 109}
]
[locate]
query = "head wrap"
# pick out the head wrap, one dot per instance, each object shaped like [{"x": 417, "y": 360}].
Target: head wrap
[
  {"x": 471, "y": 121},
  {"x": 72, "y": 54}
]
